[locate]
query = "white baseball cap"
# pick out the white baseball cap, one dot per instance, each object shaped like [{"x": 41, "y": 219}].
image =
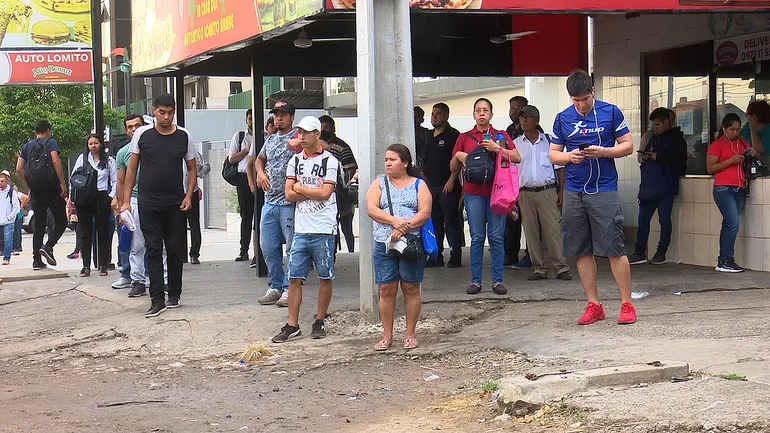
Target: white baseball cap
[{"x": 310, "y": 123}]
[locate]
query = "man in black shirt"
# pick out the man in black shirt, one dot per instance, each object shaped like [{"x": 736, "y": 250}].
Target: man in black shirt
[
  {"x": 162, "y": 148},
  {"x": 420, "y": 135},
  {"x": 444, "y": 186},
  {"x": 346, "y": 208}
]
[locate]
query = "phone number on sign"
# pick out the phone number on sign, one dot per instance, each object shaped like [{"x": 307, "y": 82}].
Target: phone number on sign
[{"x": 758, "y": 54}]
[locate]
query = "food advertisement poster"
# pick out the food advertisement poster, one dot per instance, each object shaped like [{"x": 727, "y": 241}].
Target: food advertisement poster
[
  {"x": 45, "y": 24},
  {"x": 276, "y": 13},
  {"x": 563, "y": 5},
  {"x": 165, "y": 32},
  {"x": 45, "y": 67}
]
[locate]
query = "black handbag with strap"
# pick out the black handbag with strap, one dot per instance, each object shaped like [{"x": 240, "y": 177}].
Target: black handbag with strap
[{"x": 414, "y": 251}]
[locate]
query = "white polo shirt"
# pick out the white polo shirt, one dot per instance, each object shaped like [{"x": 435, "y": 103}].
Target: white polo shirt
[
  {"x": 236, "y": 146},
  {"x": 535, "y": 168},
  {"x": 314, "y": 216}
]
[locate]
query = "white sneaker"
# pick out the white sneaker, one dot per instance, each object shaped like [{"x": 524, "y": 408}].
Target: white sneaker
[
  {"x": 284, "y": 301},
  {"x": 122, "y": 283},
  {"x": 271, "y": 297}
]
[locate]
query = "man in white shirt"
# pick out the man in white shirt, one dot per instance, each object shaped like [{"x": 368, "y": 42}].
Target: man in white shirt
[
  {"x": 310, "y": 180},
  {"x": 240, "y": 145},
  {"x": 540, "y": 194}
]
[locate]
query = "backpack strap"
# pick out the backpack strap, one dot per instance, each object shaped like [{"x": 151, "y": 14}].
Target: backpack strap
[
  {"x": 241, "y": 136},
  {"x": 324, "y": 162},
  {"x": 472, "y": 138}
]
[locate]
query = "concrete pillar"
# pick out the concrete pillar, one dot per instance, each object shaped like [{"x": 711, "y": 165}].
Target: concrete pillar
[{"x": 384, "y": 88}]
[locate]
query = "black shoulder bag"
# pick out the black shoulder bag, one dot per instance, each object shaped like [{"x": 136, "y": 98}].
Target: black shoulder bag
[{"x": 414, "y": 251}]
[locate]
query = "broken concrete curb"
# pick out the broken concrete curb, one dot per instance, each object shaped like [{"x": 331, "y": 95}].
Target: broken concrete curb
[
  {"x": 49, "y": 275},
  {"x": 517, "y": 391}
]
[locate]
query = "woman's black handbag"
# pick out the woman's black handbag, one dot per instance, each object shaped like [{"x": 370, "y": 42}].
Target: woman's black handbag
[
  {"x": 414, "y": 251},
  {"x": 754, "y": 167}
]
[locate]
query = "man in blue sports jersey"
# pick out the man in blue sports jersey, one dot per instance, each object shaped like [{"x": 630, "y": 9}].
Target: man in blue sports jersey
[{"x": 592, "y": 220}]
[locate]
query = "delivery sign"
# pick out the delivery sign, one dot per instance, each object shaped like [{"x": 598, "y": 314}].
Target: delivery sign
[{"x": 45, "y": 67}]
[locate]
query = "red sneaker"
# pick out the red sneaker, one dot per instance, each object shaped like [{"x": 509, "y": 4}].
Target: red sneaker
[
  {"x": 627, "y": 314},
  {"x": 593, "y": 313}
]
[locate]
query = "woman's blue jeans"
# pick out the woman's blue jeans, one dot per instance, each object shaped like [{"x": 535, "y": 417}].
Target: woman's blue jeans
[{"x": 730, "y": 201}]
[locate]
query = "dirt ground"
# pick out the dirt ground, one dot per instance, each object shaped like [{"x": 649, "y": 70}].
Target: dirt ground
[
  {"x": 77, "y": 356},
  {"x": 337, "y": 384}
]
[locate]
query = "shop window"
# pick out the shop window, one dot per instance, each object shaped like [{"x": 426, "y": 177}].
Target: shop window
[
  {"x": 314, "y": 83},
  {"x": 293, "y": 83},
  {"x": 689, "y": 98}
]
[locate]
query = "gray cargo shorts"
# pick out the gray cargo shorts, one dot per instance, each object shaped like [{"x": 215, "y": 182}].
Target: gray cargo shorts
[{"x": 592, "y": 224}]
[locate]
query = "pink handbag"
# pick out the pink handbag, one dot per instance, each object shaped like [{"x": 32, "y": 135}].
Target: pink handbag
[{"x": 505, "y": 189}]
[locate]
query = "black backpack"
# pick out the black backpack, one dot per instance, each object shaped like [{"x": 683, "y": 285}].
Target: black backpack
[
  {"x": 480, "y": 165},
  {"x": 38, "y": 166},
  {"x": 230, "y": 171},
  {"x": 83, "y": 181},
  {"x": 345, "y": 192}
]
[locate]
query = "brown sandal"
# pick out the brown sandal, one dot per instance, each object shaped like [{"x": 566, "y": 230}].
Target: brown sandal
[
  {"x": 85, "y": 272},
  {"x": 103, "y": 271},
  {"x": 382, "y": 345},
  {"x": 410, "y": 343}
]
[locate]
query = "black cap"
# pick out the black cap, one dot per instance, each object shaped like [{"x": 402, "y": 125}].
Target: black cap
[
  {"x": 529, "y": 111},
  {"x": 283, "y": 106}
]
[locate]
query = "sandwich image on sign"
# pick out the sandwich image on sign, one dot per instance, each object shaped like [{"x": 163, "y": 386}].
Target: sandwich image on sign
[
  {"x": 82, "y": 31},
  {"x": 50, "y": 32},
  {"x": 66, "y": 6}
]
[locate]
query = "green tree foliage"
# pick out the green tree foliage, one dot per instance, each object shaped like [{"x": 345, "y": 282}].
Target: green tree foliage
[{"x": 68, "y": 108}]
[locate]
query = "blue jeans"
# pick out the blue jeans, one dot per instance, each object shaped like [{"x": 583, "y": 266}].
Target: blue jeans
[
  {"x": 7, "y": 240},
  {"x": 646, "y": 211},
  {"x": 124, "y": 252},
  {"x": 276, "y": 227},
  {"x": 484, "y": 223},
  {"x": 17, "y": 232},
  {"x": 730, "y": 202},
  {"x": 312, "y": 248}
]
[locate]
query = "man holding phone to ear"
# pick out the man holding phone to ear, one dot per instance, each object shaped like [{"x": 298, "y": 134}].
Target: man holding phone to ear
[{"x": 594, "y": 133}]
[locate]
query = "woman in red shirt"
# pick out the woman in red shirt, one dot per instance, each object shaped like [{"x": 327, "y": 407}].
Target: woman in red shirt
[{"x": 725, "y": 161}]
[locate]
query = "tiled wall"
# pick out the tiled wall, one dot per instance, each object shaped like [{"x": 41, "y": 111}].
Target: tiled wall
[{"x": 696, "y": 224}]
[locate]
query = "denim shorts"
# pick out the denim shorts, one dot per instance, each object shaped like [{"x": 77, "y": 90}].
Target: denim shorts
[
  {"x": 388, "y": 267},
  {"x": 312, "y": 248}
]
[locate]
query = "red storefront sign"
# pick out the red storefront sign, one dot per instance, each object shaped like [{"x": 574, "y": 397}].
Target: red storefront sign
[
  {"x": 46, "y": 67},
  {"x": 547, "y": 52},
  {"x": 580, "y": 6},
  {"x": 165, "y": 32}
]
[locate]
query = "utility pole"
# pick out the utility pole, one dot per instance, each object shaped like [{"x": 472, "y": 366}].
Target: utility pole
[{"x": 96, "y": 60}]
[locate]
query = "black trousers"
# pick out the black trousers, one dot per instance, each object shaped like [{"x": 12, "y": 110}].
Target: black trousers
[
  {"x": 164, "y": 226},
  {"x": 42, "y": 202},
  {"x": 346, "y": 226},
  {"x": 99, "y": 212},
  {"x": 512, "y": 239},
  {"x": 194, "y": 221},
  {"x": 447, "y": 221},
  {"x": 246, "y": 204}
]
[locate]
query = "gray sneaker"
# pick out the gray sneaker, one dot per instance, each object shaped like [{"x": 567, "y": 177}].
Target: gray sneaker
[
  {"x": 637, "y": 259},
  {"x": 271, "y": 297},
  {"x": 284, "y": 301},
  {"x": 122, "y": 283}
]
